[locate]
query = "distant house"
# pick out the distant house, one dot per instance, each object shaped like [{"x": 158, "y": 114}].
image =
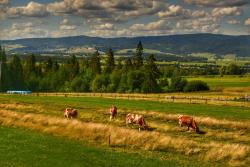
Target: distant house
[{"x": 23, "y": 92}]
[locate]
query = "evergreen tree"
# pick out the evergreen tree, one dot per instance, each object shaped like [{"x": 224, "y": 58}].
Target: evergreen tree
[
  {"x": 30, "y": 66},
  {"x": 128, "y": 65},
  {"x": 4, "y": 77},
  {"x": 138, "y": 59},
  {"x": 135, "y": 80},
  {"x": 110, "y": 62},
  {"x": 95, "y": 63},
  {"x": 72, "y": 66},
  {"x": 152, "y": 73},
  {"x": 16, "y": 73},
  {"x": 48, "y": 65}
]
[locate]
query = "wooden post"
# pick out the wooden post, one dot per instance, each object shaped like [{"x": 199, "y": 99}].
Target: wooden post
[{"x": 109, "y": 140}]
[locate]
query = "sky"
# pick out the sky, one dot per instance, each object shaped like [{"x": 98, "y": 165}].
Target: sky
[{"x": 122, "y": 18}]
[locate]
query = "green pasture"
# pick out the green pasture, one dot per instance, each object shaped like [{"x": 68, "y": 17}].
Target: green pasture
[
  {"x": 56, "y": 105},
  {"x": 217, "y": 82},
  {"x": 23, "y": 148}
]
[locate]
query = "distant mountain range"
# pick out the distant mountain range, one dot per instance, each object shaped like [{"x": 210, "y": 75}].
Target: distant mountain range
[{"x": 175, "y": 44}]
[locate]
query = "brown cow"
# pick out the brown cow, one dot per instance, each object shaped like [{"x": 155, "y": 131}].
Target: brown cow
[
  {"x": 113, "y": 112},
  {"x": 189, "y": 122},
  {"x": 70, "y": 113},
  {"x": 137, "y": 119}
]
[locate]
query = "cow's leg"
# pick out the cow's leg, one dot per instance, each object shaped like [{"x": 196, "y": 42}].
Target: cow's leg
[
  {"x": 180, "y": 123},
  {"x": 188, "y": 127},
  {"x": 110, "y": 118},
  {"x": 139, "y": 128}
]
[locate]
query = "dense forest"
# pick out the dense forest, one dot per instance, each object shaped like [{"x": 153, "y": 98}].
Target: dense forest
[{"x": 138, "y": 74}]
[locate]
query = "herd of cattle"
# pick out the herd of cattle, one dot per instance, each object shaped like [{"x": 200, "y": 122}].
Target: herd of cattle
[{"x": 137, "y": 119}]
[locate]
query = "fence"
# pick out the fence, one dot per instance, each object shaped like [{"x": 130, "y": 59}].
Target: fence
[{"x": 220, "y": 100}]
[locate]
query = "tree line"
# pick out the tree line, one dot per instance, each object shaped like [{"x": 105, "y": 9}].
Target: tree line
[{"x": 91, "y": 74}]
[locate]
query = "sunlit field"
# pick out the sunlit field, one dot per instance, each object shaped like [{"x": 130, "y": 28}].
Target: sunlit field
[
  {"x": 224, "y": 141},
  {"x": 217, "y": 82}
]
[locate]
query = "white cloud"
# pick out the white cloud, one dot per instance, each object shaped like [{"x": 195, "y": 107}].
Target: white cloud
[
  {"x": 32, "y": 9},
  {"x": 228, "y": 11},
  {"x": 23, "y": 30},
  {"x": 158, "y": 25},
  {"x": 66, "y": 25},
  {"x": 105, "y": 26},
  {"x": 174, "y": 11},
  {"x": 247, "y": 22},
  {"x": 233, "y": 21}
]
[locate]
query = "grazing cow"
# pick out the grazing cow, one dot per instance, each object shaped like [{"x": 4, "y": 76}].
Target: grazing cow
[
  {"x": 189, "y": 122},
  {"x": 70, "y": 113},
  {"x": 113, "y": 112},
  {"x": 137, "y": 119}
]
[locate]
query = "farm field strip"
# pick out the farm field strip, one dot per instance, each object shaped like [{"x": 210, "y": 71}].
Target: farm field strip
[
  {"x": 119, "y": 136},
  {"x": 175, "y": 98},
  {"x": 56, "y": 105}
]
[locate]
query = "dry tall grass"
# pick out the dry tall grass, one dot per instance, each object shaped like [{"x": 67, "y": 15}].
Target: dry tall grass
[{"x": 128, "y": 138}]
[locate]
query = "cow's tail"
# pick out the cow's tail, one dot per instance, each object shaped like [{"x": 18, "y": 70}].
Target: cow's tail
[{"x": 195, "y": 126}]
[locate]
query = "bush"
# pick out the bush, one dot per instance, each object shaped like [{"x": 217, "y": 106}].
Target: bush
[
  {"x": 196, "y": 86},
  {"x": 177, "y": 84}
]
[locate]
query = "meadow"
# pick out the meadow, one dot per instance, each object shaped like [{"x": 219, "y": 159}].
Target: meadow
[
  {"x": 38, "y": 120},
  {"x": 217, "y": 82}
]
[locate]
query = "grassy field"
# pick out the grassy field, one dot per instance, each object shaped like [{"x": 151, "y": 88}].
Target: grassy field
[
  {"x": 224, "y": 141},
  {"x": 217, "y": 82},
  {"x": 20, "y": 147}
]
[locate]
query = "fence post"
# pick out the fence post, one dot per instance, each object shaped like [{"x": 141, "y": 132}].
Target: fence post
[{"x": 109, "y": 140}]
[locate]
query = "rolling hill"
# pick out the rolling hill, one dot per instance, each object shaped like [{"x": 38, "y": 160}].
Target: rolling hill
[{"x": 175, "y": 44}]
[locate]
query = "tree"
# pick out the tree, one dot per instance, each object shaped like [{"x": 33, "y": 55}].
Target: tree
[
  {"x": 196, "y": 86},
  {"x": 29, "y": 67},
  {"x": 152, "y": 73},
  {"x": 4, "y": 79},
  {"x": 100, "y": 83},
  {"x": 138, "y": 59},
  {"x": 80, "y": 84},
  {"x": 115, "y": 78},
  {"x": 72, "y": 66},
  {"x": 95, "y": 63},
  {"x": 128, "y": 65},
  {"x": 177, "y": 83},
  {"x": 16, "y": 73},
  {"x": 135, "y": 80},
  {"x": 233, "y": 69},
  {"x": 110, "y": 62}
]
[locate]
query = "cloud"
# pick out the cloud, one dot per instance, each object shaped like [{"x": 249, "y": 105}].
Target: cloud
[
  {"x": 218, "y": 3},
  {"x": 228, "y": 11},
  {"x": 4, "y": 2},
  {"x": 204, "y": 25},
  {"x": 174, "y": 11},
  {"x": 105, "y": 26},
  {"x": 66, "y": 25},
  {"x": 32, "y": 9},
  {"x": 158, "y": 25},
  {"x": 233, "y": 21},
  {"x": 23, "y": 30},
  {"x": 247, "y": 22},
  {"x": 106, "y": 10}
]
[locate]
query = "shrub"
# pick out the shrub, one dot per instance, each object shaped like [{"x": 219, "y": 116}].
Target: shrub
[
  {"x": 177, "y": 84},
  {"x": 196, "y": 86}
]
